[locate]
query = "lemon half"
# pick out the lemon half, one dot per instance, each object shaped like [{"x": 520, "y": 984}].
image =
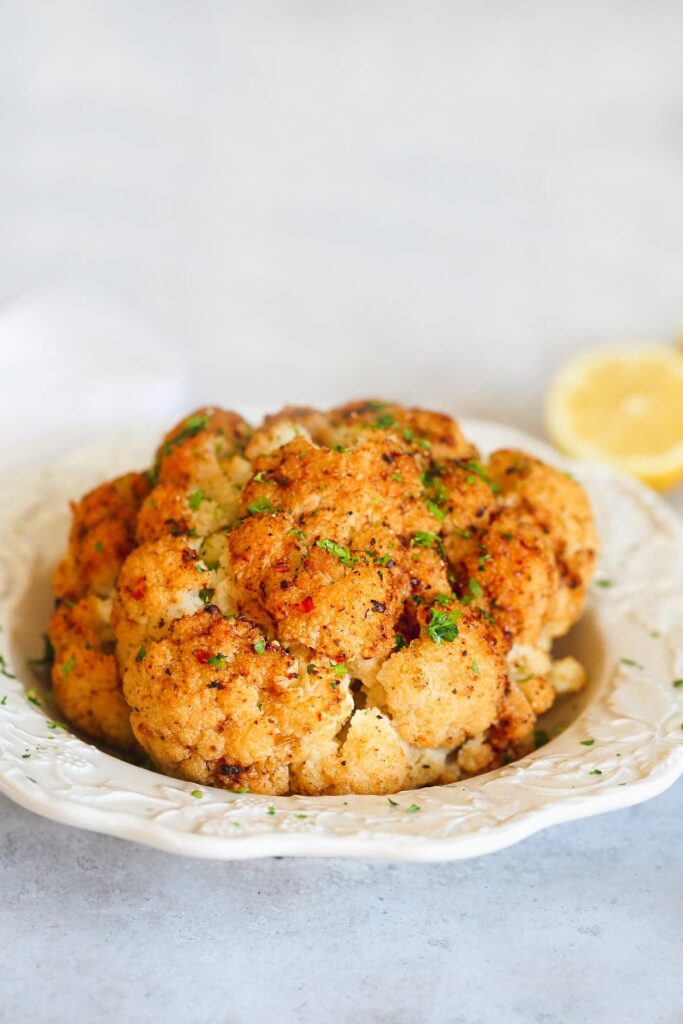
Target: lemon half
[{"x": 622, "y": 405}]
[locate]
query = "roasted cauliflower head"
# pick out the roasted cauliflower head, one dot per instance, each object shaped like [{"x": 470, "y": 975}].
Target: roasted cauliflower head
[{"x": 344, "y": 602}]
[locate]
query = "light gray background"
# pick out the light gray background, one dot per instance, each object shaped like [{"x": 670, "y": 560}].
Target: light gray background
[{"x": 315, "y": 200}]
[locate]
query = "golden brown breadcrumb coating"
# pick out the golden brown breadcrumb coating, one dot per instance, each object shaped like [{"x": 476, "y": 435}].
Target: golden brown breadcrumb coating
[{"x": 326, "y": 603}]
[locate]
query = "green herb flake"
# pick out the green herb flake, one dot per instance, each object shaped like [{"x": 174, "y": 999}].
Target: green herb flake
[
  {"x": 587, "y": 743},
  {"x": 392, "y": 803},
  {"x": 99, "y": 548},
  {"x": 339, "y": 669},
  {"x": 258, "y": 477},
  {"x": 260, "y": 506},
  {"x": 437, "y": 512},
  {"x": 475, "y": 668},
  {"x": 341, "y": 553},
  {"x": 410, "y": 435},
  {"x": 4, "y": 670},
  {"x": 260, "y": 646},
  {"x": 3, "y": 701},
  {"x": 595, "y": 771},
  {"x": 463, "y": 534},
  {"x": 301, "y": 816},
  {"x": 477, "y": 470},
  {"x": 678, "y": 682},
  {"x": 412, "y": 809},
  {"x": 421, "y": 539},
  {"x": 605, "y": 584},
  {"x": 58, "y": 725},
  {"x": 475, "y": 588},
  {"x": 141, "y": 653},
  {"x": 399, "y": 641},
  {"x": 270, "y": 810},
  {"x": 397, "y": 477},
  {"x": 540, "y": 738},
  {"x": 311, "y": 669},
  {"x": 217, "y": 659},
  {"x": 206, "y": 594},
  {"x": 630, "y": 662},
  {"x": 195, "y": 499},
  {"x": 443, "y": 626},
  {"x": 299, "y": 534},
  {"x": 33, "y": 698},
  {"x": 197, "y": 794},
  {"x": 68, "y": 666}
]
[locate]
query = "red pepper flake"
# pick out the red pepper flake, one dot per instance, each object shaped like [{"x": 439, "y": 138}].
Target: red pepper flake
[
  {"x": 282, "y": 566},
  {"x": 138, "y": 588},
  {"x": 202, "y": 657},
  {"x": 307, "y": 604}
]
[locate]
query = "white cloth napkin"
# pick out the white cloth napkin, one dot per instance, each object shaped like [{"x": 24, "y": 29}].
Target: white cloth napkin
[{"x": 76, "y": 368}]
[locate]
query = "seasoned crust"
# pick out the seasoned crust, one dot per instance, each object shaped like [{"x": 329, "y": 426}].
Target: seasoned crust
[
  {"x": 85, "y": 678},
  {"x": 385, "y": 601}
]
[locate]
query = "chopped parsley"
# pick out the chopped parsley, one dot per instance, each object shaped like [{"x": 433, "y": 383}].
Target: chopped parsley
[
  {"x": 423, "y": 540},
  {"x": 475, "y": 469},
  {"x": 410, "y": 435},
  {"x": 258, "y": 477},
  {"x": 630, "y": 662},
  {"x": 587, "y": 743},
  {"x": 311, "y": 669},
  {"x": 141, "y": 653},
  {"x": 397, "y": 477},
  {"x": 68, "y": 666},
  {"x": 412, "y": 809},
  {"x": 463, "y": 534},
  {"x": 399, "y": 641},
  {"x": 443, "y": 626},
  {"x": 475, "y": 587},
  {"x": 442, "y": 599},
  {"x": 197, "y": 794},
  {"x": 99, "y": 548},
  {"x": 217, "y": 659},
  {"x": 58, "y": 725},
  {"x": 299, "y": 534},
  {"x": 338, "y": 551},
  {"x": 339, "y": 669},
  {"x": 195, "y": 499},
  {"x": 678, "y": 682},
  {"x": 392, "y": 803},
  {"x": 4, "y": 671},
  {"x": 437, "y": 512},
  {"x": 595, "y": 771},
  {"x": 190, "y": 428},
  {"x": 300, "y": 815},
  {"x": 3, "y": 701},
  {"x": 259, "y": 506},
  {"x": 270, "y": 810},
  {"x": 540, "y": 737},
  {"x": 605, "y": 583},
  {"x": 33, "y": 698},
  {"x": 260, "y": 646},
  {"x": 475, "y": 668},
  {"x": 206, "y": 594},
  {"x": 384, "y": 422}
]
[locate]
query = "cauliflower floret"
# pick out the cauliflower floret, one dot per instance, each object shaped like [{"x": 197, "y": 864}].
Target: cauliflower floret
[
  {"x": 447, "y": 684},
  {"x": 512, "y": 576},
  {"x": 85, "y": 678},
  {"x": 102, "y": 534},
  {"x": 561, "y": 509},
  {"x": 370, "y": 759},
  {"x": 201, "y": 472},
  {"x": 425, "y": 433},
  {"x": 216, "y": 702},
  {"x": 567, "y": 675},
  {"x": 160, "y": 582}
]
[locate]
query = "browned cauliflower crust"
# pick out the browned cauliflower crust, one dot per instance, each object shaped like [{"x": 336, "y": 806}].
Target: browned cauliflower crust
[
  {"x": 102, "y": 535},
  {"x": 85, "y": 678},
  {"x": 326, "y": 603}
]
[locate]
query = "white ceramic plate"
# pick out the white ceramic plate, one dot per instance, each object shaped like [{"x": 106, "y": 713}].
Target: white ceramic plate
[{"x": 630, "y": 638}]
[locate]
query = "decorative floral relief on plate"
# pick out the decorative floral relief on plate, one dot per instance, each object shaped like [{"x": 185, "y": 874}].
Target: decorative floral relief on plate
[{"x": 630, "y": 639}]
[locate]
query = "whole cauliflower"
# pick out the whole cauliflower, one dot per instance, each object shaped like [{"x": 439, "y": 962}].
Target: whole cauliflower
[{"x": 342, "y": 602}]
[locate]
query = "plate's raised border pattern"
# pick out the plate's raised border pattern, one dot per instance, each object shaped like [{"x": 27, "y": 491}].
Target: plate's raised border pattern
[{"x": 635, "y": 717}]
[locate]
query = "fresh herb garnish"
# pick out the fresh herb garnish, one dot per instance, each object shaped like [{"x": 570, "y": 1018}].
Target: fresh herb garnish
[
  {"x": 399, "y": 641},
  {"x": 260, "y": 646},
  {"x": 195, "y": 499},
  {"x": 48, "y": 654},
  {"x": 595, "y": 771},
  {"x": 422, "y": 539},
  {"x": 605, "y": 583},
  {"x": 197, "y": 794},
  {"x": 475, "y": 668},
  {"x": 392, "y": 803},
  {"x": 4, "y": 671},
  {"x": 299, "y": 534},
  {"x": 437, "y": 512},
  {"x": 338, "y": 551},
  {"x": 339, "y": 669},
  {"x": 206, "y": 594},
  {"x": 587, "y": 743},
  {"x": 442, "y": 626},
  {"x": 141, "y": 653},
  {"x": 259, "y": 506},
  {"x": 540, "y": 737},
  {"x": 68, "y": 666},
  {"x": 217, "y": 659},
  {"x": 412, "y": 809},
  {"x": 475, "y": 587},
  {"x": 678, "y": 682}
]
